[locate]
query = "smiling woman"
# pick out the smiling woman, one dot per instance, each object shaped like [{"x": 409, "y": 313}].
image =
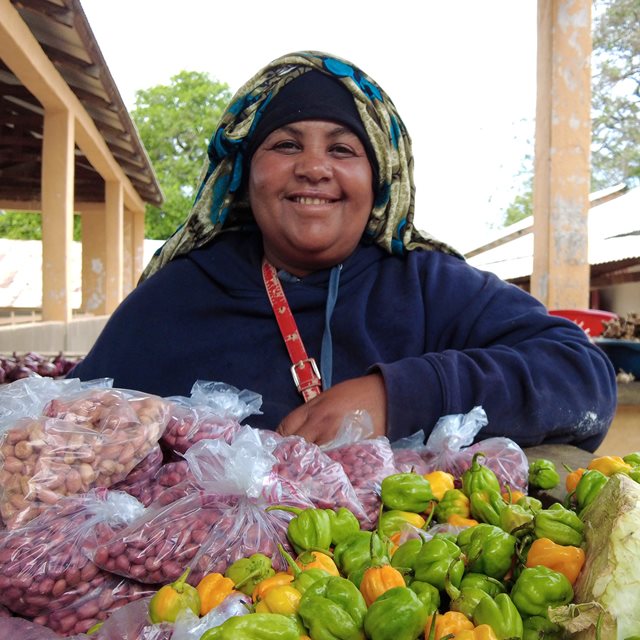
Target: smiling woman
[{"x": 301, "y": 248}]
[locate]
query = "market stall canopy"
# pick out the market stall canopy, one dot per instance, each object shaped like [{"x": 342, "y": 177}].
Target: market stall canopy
[{"x": 62, "y": 30}]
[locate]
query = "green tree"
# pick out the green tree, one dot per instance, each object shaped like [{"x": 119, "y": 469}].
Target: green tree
[
  {"x": 175, "y": 122},
  {"x": 615, "y": 150},
  {"x": 26, "y": 225}
]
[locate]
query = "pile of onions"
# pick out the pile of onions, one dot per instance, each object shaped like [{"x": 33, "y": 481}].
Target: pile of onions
[{"x": 15, "y": 367}]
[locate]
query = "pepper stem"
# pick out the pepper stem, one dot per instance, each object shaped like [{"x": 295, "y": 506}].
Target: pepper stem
[
  {"x": 248, "y": 577},
  {"x": 281, "y": 507},
  {"x": 452, "y": 591},
  {"x": 179, "y": 584},
  {"x": 295, "y": 569}
]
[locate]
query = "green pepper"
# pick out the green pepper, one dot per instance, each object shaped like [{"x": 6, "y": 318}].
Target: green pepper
[
  {"x": 632, "y": 458},
  {"x": 173, "y": 598},
  {"x": 437, "y": 559},
  {"x": 464, "y": 600},
  {"x": 543, "y": 474},
  {"x": 488, "y": 549},
  {"x": 356, "y": 551},
  {"x": 589, "y": 487},
  {"x": 302, "y": 579},
  {"x": 487, "y": 505},
  {"x": 343, "y": 524},
  {"x": 559, "y": 524},
  {"x": 530, "y": 504},
  {"x": 501, "y": 614},
  {"x": 398, "y": 614},
  {"x": 392, "y": 521},
  {"x": 310, "y": 529},
  {"x": 479, "y": 477},
  {"x": 481, "y": 581},
  {"x": 516, "y": 519},
  {"x": 428, "y": 594},
  {"x": 333, "y": 609},
  {"x": 255, "y": 626},
  {"x": 453, "y": 502},
  {"x": 538, "y": 588},
  {"x": 405, "y": 555},
  {"x": 247, "y": 572},
  {"x": 539, "y": 628},
  {"x": 406, "y": 492}
]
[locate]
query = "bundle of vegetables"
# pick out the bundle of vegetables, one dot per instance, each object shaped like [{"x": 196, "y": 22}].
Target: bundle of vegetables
[
  {"x": 45, "y": 571},
  {"x": 220, "y": 516},
  {"x": 91, "y": 438}
]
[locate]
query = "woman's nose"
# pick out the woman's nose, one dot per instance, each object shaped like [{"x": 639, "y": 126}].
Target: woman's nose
[{"x": 313, "y": 165}]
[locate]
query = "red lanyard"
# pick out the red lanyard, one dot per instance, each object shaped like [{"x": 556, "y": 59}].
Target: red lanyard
[{"x": 304, "y": 369}]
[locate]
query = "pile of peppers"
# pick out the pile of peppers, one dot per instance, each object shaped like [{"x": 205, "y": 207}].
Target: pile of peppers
[{"x": 450, "y": 559}]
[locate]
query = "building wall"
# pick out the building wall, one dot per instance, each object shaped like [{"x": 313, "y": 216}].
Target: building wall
[{"x": 621, "y": 298}]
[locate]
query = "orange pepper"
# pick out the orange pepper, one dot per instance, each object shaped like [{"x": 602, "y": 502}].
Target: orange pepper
[
  {"x": 280, "y": 578},
  {"x": 379, "y": 579},
  {"x": 440, "y": 482},
  {"x": 448, "y": 623},
  {"x": 481, "y": 632},
  {"x": 573, "y": 478},
  {"x": 609, "y": 465},
  {"x": 459, "y": 521},
  {"x": 511, "y": 497},
  {"x": 565, "y": 559},
  {"x": 317, "y": 560},
  {"x": 394, "y": 539},
  {"x": 213, "y": 589}
]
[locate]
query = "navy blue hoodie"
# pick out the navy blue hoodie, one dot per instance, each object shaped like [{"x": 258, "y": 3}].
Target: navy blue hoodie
[{"x": 445, "y": 336}]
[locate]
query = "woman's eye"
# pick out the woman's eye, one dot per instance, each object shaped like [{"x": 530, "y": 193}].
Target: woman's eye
[
  {"x": 342, "y": 149},
  {"x": 286, "y": 145}
]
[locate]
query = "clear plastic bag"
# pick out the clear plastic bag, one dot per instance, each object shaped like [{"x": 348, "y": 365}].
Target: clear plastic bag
[
  {"x": 366, "y": 461},
  {"x": 407, "y": 454},
  {"x": 45, "y": 569},
  {"x": 220, "y": 518},
  {"x": 214, "y": 410},
  {"x": 140, "y": 481},
  {"x": 92, "y": 438},
  {"x": 450, "y": 448}
]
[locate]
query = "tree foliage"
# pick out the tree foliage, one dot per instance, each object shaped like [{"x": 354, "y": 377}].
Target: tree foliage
[
  {"x": 175, "y": 122},
  {"x": 615, "y": 104}
]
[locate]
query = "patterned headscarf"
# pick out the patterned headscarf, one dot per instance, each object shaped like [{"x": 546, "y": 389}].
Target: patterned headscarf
[{"x": 221, "y": 202}]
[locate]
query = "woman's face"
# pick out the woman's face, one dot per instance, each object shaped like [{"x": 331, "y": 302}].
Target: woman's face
[{"x": 310, "y": 189}]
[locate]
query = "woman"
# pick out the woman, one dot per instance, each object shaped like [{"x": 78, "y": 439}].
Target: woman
[{"x": 309, "y": 177}]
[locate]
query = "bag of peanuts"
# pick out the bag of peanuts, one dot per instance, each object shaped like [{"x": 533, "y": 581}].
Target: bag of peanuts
[
  {"x": 220, "y": 518},
  {"x": 213, "y": 410},
  {"x": 365, "y": 460},
  {"x": 450, "y": 448},
  {"x": 323, "y": 480},
  {"x": 140, "y": 481},
  {"x": 91, "y": 438},
  {"x": 407, "y": 454},
  {"x": 46, "y": 574}
]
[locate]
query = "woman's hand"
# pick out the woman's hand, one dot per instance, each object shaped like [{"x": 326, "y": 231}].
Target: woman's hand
[{"x": 319, "y": 420}]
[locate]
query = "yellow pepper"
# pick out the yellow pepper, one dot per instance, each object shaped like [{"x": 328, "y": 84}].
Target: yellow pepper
[
  {"x": 447, "y": 624},
  {"x": 456, "y": 520},
  {"x": 213, "y": 589},
  {"x": 609, "y": 465},
  {"x": 280, "y": 578},
  {"x": 512, "y": 496},
  {"x": 317, "y": 560},
  {"x": 283, "y": 599},
  {"x": 481, "y": 632},
  {"x": 378, "y": 580},
  {"x": 440, "y": 482},
  {"x": 565, "y": 559}
]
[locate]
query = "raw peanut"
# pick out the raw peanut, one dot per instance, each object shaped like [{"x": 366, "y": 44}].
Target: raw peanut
[
  {"x": 73, "y": 481},
  {"x": 22, "y": 450}
]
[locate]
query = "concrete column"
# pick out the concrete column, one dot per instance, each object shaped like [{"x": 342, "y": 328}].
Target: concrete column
[
  {"x": 560, "y": 276},
  {"x": 114, "y": 242},
  {"x": 137, "y": 237},
  {"x": 57, "y": 214},
  {"x": 93, "y": 262}
]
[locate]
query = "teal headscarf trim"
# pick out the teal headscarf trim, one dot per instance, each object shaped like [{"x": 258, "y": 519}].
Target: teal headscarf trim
[{"x": 220, "y": 203}]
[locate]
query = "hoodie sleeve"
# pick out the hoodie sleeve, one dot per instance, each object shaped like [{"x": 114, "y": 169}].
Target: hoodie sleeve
[{"x": 538, "y": 377}]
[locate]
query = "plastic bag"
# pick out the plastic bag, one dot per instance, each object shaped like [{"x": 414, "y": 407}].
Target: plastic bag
[
  {"x": 131, "y": 622},
  {"x": 21, "y": 629},
  {"x": 220, "y": 519},
  {"x": 140, "y": 481},
  {"x": 407, "y": 454},
  {"x": 45, "y": 571},
  {"x": 322, "y": 479},
  {"x": 449, "y": 448},
  {"x": 92, "y": 438},
  {"x": 366, "y": 461}
]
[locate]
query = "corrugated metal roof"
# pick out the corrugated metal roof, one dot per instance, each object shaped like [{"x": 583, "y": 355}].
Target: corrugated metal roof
[{"x": 614, "y": 235}]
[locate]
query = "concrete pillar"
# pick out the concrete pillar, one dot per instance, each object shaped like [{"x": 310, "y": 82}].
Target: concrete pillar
[
  {"x": 137, "y": 237},
  {"x": 93, "y": 262},
  {"x": 57, "y": 214},
  {"x": 560, "y": 276},
  {"x": 114, "y": 241}
]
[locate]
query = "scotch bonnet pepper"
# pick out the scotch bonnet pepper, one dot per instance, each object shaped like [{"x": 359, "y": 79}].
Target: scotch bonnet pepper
[
  {"x": 406, "y": 492},
  {"x": 171, "y": 599},
  {"x": 543, "y": 474},
  {"x": 487, "y": 506},
  {"x": 589, "y": 487},
  {"x": 538, "y": 588},
  {"x": 343, "y": 524},
  {"x": 391, "y": 522},
  {"x": 479, "y": 477},
  {"x": 255, "y": 626},
  {"x": 357, "y": 551},
  {"x": 308, "y": 529},
  {"x": 501, "y": 614},
  {"x": 333, "y": 609},
  {"x": 398, "y": 614},
  {"x": 561, "y": 525},
  {"x": 454, "y": 502},
  {"x": 246, "y": 573},
  {"x": 438, "y": 559},
  {"x": 489, "y": 549}
]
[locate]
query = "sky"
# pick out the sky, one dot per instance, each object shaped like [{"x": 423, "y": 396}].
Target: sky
[{"x": 461, "y": 74}]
